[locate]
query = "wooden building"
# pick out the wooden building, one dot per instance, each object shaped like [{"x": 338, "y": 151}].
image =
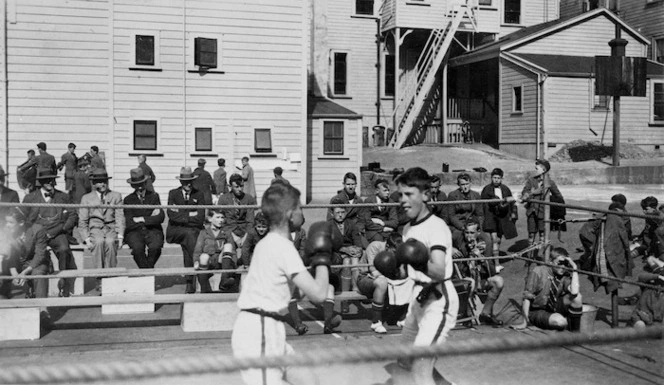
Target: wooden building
[
  {"x": 173, "y": 79},
  {"x": 540, "y": 82}
]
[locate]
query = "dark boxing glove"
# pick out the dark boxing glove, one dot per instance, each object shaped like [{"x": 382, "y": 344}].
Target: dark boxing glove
[
  {"x": 386, "y": 263},
  {"x": 414, "y": 253},
  {"x": 326, "y": 228},
  {"x": 319, "y": 245}
]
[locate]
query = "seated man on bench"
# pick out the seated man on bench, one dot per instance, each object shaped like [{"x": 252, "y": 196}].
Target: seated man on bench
[
  {"x": 473, "y": 243},
  {"x": 372, "y": 284}
]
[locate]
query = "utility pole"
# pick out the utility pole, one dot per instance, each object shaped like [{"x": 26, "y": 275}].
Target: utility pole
[{"x": 617, "y": 50}]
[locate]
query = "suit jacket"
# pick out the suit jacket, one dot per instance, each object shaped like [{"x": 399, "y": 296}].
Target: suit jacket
[
  {"x": 181, "y": 217},
  {"x": 97, "y": 162},
  {"x": 220, "y": 182},
  {"x": 439, "y": 210},
  {"x": 351, "y": 235},
  {"x": 55, "y": 220},
  {"x": 204, "y": 181},
  {"x": 68, "y": 161},
  {"x": 7, "y": 195},
  {"x": 354, "y": 214},
  {"x": 387, "y": 214},
  {"x": 43, "y": 160},
  {"x": 239, "y": 221},
  {"x": 100, "y": 217},
  {"x": 502, "y": 210},
  {"x": 152, "y": 220},
  {"x": 249, "y": 183},
  {"x": 532, "y": 190},
  {"x": 458, "y": 213},
  {"x": 211, "y": 244},
  {"x": 81, "y": 186}
]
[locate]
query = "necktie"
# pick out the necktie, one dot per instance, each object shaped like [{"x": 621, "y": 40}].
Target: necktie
[
  {"x": 553, "y": 294},
  {"x": 186, "y": 197}
]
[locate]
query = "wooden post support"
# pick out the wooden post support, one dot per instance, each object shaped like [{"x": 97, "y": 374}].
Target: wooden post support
[
  {"x": 614, "y": 309},
  {"x": 547, "y": 217}
]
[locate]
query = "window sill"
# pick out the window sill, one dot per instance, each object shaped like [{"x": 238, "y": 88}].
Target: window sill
[
  {"x": 600, "y": 109},
  {"x": 333, "y": 157},
  {"x": 340, "y": 96},
  {"x": 516, "y": 113},
  {"x": 263, "y": 155},
  {"x": 488, "y": 8},
  {"x": 512, "y": 25},
  {"x": 372, "y": 17},
  {"x": 421, "y": 3},
  {"x": 203, "y": 72},
  {"x": 145, "y": 68},
  {"x": 656, "y": 124},
  {"x": 387, "y": 97},
  {"x": 203, "y": 155},
  {"x": 147, "y": 153}
]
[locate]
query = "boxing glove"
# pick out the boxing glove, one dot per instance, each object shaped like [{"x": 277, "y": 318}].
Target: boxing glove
[
  {"x": 386, "y": 263},
  {"x": 319, "y": 246},
  {"x": 414, "y": 253},
  {"x": 327, "y": 228}
]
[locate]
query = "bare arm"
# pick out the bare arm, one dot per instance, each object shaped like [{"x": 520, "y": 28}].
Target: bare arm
[
  {"x": 314, "y": 288},
  {"x": 436, "y": 265}
]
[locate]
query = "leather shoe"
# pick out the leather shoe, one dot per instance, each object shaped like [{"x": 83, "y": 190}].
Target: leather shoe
[
  {"x": 63, "y": 288},
  {"x": 490, "y": 319},
  {"x": 301, "y": 329},
  {"x": 191, "y": 289}
]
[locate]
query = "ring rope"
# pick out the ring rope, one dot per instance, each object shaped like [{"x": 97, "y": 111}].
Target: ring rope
[
  {"x": 200, "y": 364},
  {"x": 603, "y": 211}
]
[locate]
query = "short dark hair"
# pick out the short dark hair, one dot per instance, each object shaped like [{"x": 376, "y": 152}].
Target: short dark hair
[
  {"x": 94, "y": 148},
  {"x": 472, "y": 221},
  {"x": 616, "y": 206},
  {"x": 649, "y": 201},
  {"x": 278, "y": 170},
  {"x": 394, "y": 239},
  {"x": 463, "y": 176},
  {"x": 497, "y": 171},
  {"x": 435, "y": 179},
  {"x": 415, "y": 177},
  {"x": 559, "y": 252},
  {"x": 221, "y": 162},
  {"x": 214, "y": 211},
  {"x": 277, "y": 199},
  {"x": 350, "y": 175},
  {"x": 41, "y": 146},
  {"x": 31, "y": 152},
  {"x": 260, "y": 218},
  {"x": 381, "y": 181},
  {"x": 71, "y": 145},
  {"x": 245, "y": 158},
  {"x": 396, "y": 172},
  {"x": 237, "y": 179},
  {"x": 620, "y": 198}
]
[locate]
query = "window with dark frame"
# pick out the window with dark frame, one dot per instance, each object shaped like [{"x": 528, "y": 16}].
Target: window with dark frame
[
  {"x": 485, "y": 2},
  {"x": 145, "y": 50},
  {"x": 145, "y": 135},
  {"x": 512, "y": 11},
  {"x": 203, "y": 138},
  {"x": 340, "y": 73},
  {"x": 517, "y": 99},
  {"x": 658, "y": 102},
  {"x": 262, "y": 140},
  {"x": 390, "y": 74},
  {"x": 333, "y": 138},
  {"x": 364, "y": 7},
  {"x": 205, "y": 52},
  {"x": 658, "y": 48}
]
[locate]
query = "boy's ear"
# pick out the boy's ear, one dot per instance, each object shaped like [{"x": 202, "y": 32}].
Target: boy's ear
[{"x": 427, "y": 195}]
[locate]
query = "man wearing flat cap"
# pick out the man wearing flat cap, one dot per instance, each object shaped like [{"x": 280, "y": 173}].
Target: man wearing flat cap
[
  {"x": 68, "y": 161},
  {"x": 56, "y": 222},
  {"x": 204, "y": 182},
  {"x": 102, "y": 228},
  {"x": 184, "y": 225},
  {"x": 6, "y": 195},
  {"x": 143, "y": 226}
]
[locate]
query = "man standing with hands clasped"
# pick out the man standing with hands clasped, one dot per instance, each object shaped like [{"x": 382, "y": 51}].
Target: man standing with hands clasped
[{"x": 427, "y": 254}]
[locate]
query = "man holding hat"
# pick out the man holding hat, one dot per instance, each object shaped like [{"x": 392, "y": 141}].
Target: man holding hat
[
  {"x": 102, "y": 228},
  {"x": 6, "y": 195},
  {"x": 204, "y": 182},
  {"x": 57, "y": 222},
  {"x": 184, "y": 225},
  {"x": 68, "y": 161},
  {"x": 143, "y": 226}
]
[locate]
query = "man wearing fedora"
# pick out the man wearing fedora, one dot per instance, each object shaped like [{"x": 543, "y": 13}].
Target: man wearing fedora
[
  {"x": 102, "y": 228},
  {"x": 143, "y": 226},
  {"x": 57, "y": 222},
  {"x": 6, "y": 195},
  {"x": 184, "y": 225}
]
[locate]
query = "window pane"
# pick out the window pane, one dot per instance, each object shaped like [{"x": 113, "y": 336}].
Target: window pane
[
  {"x": 340, "y": 73},
  {"x": 364, "y": 7},
  {"x": 144, "y": 50},
  {"x": 145, "y": 135},
  {"x": 658, "y": 100},
  {"x": 263, "y": 140},
  {"x": 517, "y": 99},
  {"x": 659, "y": 46},
  {"x": 389, "y": 75},
  {"x": 512, "y": 11},
  {"x": 206, "y": 52},
  {"x": 203, "y": 139},
  {"x": 485, "y": 2},
  {"x": 333, "y": 138}
]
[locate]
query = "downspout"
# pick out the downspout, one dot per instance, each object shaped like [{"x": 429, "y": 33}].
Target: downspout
[
  {"x": 378, "y": 50},
  {"x": 184, "y": 80},
  {"x": 541, "y": 110},
  {"x": 5, "y": 83},
  {"x": 538, "y": 133}
]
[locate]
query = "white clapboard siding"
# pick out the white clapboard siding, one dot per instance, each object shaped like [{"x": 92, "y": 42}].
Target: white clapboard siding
[
  {"x": 326, "y": 173},
  {"x": 57, "y": 64},
  {"x": 647, "y": 18},
  {"x": 589, "y": 38},
  {"x": 517, "y": 127}
]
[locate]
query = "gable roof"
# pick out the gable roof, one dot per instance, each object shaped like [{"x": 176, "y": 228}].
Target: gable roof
[
  {"x": 575, "y": 66},
  {"x": 538, "y": 31},
  {"x": 320, "y": 108}
]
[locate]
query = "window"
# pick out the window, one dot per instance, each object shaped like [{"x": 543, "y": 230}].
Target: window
[
  {"x": 144, "y": 51},
  {"x": 600, "y": 102},
  {"x": 145, "y": 135},
  {"x": 658, "y": 102},
  {"x": 364, "y": 7},
  {"x": 485, "y": 2},
  {"x": 339, "y": 73},
  {"x": 205, "y": 52},
  {"x": 517, "y": 99},
  {"x": 389, "y": 74},
  {"x": 203, "y": 138},
  {"x": 512, "y": 12},
  {"x": 333, "y": 138},
  {"x": 262, "y": 140},
  {"x": 658, "y": 50}
]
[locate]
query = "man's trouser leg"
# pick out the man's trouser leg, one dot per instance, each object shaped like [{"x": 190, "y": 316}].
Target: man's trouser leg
[
  {"x": 60, "y": 246},
  {"x": 136, "y": 242},
  {"x": 155, "y": 242}
]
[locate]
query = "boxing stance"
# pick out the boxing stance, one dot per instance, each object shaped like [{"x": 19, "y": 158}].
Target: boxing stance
[
  {"x": 426, "y": 253},
  {"x": 277, "y": 267}
]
